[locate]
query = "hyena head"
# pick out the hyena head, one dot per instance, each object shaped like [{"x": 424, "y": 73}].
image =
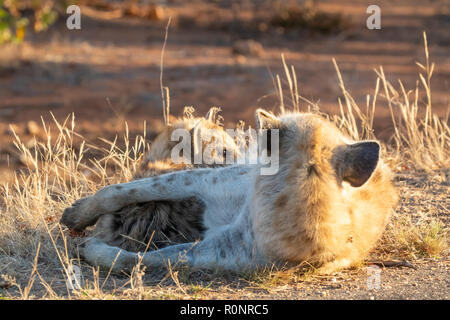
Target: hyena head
[
  {"x": 209, "y": 145},
  {"x": 330, "y": 199}
]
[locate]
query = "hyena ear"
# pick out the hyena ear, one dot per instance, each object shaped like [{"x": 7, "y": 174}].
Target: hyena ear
[
  {"x": 266, "y": 120},
  {"x": 356, "y": 162}
]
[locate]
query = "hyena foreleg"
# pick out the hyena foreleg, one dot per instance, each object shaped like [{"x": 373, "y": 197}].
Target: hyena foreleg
[{"x": 205, "y": 184}]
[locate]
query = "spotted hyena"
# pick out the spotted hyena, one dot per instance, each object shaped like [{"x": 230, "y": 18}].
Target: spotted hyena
[
  {"x": 327, "y": 204},
  {"x": 167, "y": 222}
]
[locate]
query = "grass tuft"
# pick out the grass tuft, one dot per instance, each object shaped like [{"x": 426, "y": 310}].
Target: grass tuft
[{"x": 426, "y": 238}]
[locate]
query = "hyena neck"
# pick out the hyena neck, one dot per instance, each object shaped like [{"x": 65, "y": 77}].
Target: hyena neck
[
  {"x": 294, "y": 207},
  {"x": 155, "y": 168}
]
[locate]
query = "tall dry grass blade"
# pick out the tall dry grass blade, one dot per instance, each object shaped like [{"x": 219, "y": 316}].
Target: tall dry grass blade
[
  {"x": 422, "y": 137},
  {"x": 164, "y": 90}
]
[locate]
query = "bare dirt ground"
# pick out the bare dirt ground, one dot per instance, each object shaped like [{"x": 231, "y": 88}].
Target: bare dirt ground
[{"x": 75, "y": 71}]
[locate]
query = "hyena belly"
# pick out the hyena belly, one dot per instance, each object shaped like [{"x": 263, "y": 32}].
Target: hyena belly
[{"x": 162, "y": 223}]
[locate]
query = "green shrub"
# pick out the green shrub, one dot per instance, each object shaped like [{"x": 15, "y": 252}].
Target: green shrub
[{"x": 14, "y": 26}]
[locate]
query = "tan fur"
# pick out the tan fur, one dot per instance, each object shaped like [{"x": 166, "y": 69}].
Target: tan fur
[{"x": 315, "y": 216}]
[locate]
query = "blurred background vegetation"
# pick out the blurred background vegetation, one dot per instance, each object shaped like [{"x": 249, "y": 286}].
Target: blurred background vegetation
[{"x": 18, "y": 17}]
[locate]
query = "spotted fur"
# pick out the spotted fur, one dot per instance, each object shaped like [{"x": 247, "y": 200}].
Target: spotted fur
[{"x": 161, "y": 223}]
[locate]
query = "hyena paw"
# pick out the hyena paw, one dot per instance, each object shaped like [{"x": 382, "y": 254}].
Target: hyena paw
[
  {"x": 80, "y": 215},
  {"x": 334, "y": 266}
]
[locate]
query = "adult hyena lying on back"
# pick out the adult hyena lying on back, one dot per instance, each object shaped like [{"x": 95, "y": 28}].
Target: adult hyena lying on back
[
  {"x": 328, "y": 204},
  {"x": 166, "y": 222}
]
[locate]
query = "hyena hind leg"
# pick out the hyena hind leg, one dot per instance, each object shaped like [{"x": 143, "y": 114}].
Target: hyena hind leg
[
  {"x": 229, "y": 249},
  {"x": 97, "y": 253}
]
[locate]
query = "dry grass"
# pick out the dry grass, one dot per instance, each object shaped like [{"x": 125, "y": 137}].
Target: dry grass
[
  {"x": 406, "y": 238},
  {"x": 56, "y": 175},
  {"x": 36, "y": 252},
  {"x": 422, "y": 137}
]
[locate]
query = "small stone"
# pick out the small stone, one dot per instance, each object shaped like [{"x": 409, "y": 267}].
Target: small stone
[
  {"x": 247, "y": 48},
  {"x": 33, "y": 128},
  {"x": 241, "y": 59},
  {"x": 156, "y": 13},
  {"x": 263, "y": 27}
]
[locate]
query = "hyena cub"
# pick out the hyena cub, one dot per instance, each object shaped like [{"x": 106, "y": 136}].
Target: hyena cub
[
  {"x": 327, "y": 204},
  {"x": 166, "y": 222}
]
